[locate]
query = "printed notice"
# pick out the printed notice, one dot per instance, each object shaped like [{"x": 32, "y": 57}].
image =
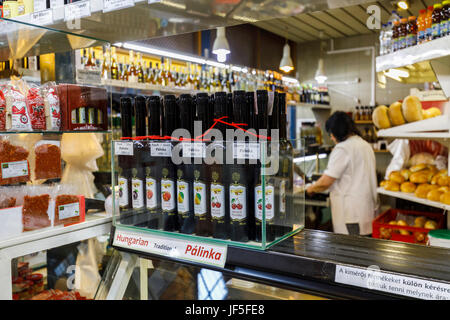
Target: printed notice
[
  {"x": 77, "y": 10},
  {"x": 395, "y": 284},
  {"x": 194, "y": 150},
  {"x": 89, "y": 76},
  {"x": 194, "y": 251},
  {"x": 42, "y": 18},
  {"x": 69, "y": 210},
  {"x": 123, "y": 148},
  {"x": 161, "y": 149},
  {"x": 245, "y": 150},
  {"x": 111, "y": 5},
  {"x": 14, "y": 169}
]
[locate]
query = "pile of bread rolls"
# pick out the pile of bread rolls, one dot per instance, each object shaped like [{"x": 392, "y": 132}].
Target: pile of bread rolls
[
  {"x": 419, "y": 222},
  {"x": 400, "y": 113},
  {"x": 424, "y": 180}
]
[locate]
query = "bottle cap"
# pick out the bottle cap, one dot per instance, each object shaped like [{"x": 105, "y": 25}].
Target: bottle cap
[
  {"x": 404, "y": 20},
  {"x": 437, "y": 6},
  {"x": 446, "y": 2},
  {"x": 423, "y": 11},
  {"x": 411, "y": 18}
]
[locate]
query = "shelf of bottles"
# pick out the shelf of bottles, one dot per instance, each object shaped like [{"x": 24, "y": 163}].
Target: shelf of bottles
[{"x": 208, "y": 167}]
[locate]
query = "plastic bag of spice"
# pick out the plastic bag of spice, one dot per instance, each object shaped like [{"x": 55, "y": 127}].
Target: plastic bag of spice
[
  {"x": 18, "y": 117},
  {"x": 36, "y": 110},
  {"x": 2, "y": 108},
  {"x": 14, "y": 166},
  {"x": 36, "y": 208},
  {"x": 47, "y": 159},
  {"x": 69, "y": 207},
  {"x": 52, "y": 106}
]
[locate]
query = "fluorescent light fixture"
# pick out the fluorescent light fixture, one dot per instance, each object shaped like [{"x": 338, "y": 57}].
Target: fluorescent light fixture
[
  {"x": 403, "y": 4},
  {"x": 310, "y": 158},
  {"x": 221, "y": 47},
  {"x": 289, "y": 80},
  {"x": 286, "y": 63},
  {"x": 320, "y": 73}
]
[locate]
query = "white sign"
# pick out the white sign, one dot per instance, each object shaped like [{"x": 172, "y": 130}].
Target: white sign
[
  {"x": 160, "y": 149},
  {"x": 42, "y": 18},
  {"x": 153, "y": 1},
  {"x": 69, "y": 210},
  {"x": 56, "y": 3},
  {"x": 123, "y": 148},
  {"x": 39, "y": 5},
  {"x": 14, "y": 169},
  {"x": 77, "y": 10},
  {"x": 194, "y": 150},
  {"x": 111, "y": 5},
  {"x": 406, "y": 286},
  {"x": 246, "y": 150},
  {"x": 89, "y": 76},
  {"x": 193, "y": 251}
]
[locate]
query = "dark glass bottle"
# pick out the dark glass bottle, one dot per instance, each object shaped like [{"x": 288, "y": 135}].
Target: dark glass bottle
[
  {"x": 125, "y": 165},
  {"x": 286, "y": 174},
  {"x": 153, "y": 167},
  {"x": 202, "y": 190},
  {"x": 220, "y": 212},
  {"x": 141, "y": 154},
  {"x": 185, "y": 170},
  {"x": 168, "y": 169}
]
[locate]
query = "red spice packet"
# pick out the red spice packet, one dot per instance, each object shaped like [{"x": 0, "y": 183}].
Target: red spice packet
[
  {"x": 36, "y": 109},
  {"x": 48, "y": 160},
  {"x": 34, "y": 212},
  {"x": 69, "y": 209},
  {"x": 14, "y": 166},
  {"x": 2, "y": 111}
]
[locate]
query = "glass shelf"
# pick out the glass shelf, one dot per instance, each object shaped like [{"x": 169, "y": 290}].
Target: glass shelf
[{"x": 53, "y": 132}]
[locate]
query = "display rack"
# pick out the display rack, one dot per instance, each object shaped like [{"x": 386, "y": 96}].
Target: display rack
[{"x": 413, "y": 198}]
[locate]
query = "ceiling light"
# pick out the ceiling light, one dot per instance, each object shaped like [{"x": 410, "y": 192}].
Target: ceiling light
[
  {"x": 397, "y": 73},
  {"x": 403, "y": 4},
  {"x": 221, "y": 47},
  {"x": 320, "y": 73},
  {"x": 286, "y": 63}
]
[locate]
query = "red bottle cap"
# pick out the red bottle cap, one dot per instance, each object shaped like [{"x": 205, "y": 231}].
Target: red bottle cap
[{"x": 411, "y": 18}]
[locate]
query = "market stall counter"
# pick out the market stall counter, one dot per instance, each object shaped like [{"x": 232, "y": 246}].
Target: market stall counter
[{"x": 335, "y": 266}]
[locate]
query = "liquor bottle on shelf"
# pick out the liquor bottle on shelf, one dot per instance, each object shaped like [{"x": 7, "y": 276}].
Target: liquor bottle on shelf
[
  {"x": 185, "y": 179},
  {"x": 140, "y": 69},
  {"x": 114, "y": 66},
  {"x": 90, "y": 62},
  {"x": 106, "y": 65},
  {"x": 124, "y": 73},
  {"x": 153, "y": 167},
  {"x": 132, "y": 70},
  {"x": 202, "y": 190},
  {"x": 168, "y": 171},
  {"x": 141, "y": 155},
  {"x": 220, "y": 211},
  {"x": 125, "y": 165}
]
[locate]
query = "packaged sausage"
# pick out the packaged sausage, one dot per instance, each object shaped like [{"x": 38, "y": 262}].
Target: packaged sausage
[
  {"x": 18, "y": 118},
  {"x": 14, "y": 166},
  {"x": 52, "y": 106},
  {"x": 36, "y": 111},
  {"x": 47, "y": 160}
]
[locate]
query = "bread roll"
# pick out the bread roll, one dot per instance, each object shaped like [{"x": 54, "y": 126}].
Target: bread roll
[
  {"x": 408, "y": 187},
  {"x": 443, "y": 172},
  {"x": 443, "y": 181},
  {"x": 431, "y": 113},
  {"x": 432, "y": 168},
  {"x": 434, "y": 195},
  {"x": 445, "y": 198},
  {"x": 395, "y": 114},
  {"x": 418, "y": 167},
  {"x": 422, "y": 190},
  {"x": 444, "y": 189},
  {"x": 406, "y": 173},
  {"x": 420, "y": 222},
  {"x": 396, "y": 177},
  {"x": 392, "y": 186},
  {"x": 435, "y": 179},
  {"x": 412, "y": 109},
  {"x": 430, "y": 224},
  {"x": 380, "y": 117},
  {"x": 383, "y": 183},
  {"x": 418, "y": 177}
]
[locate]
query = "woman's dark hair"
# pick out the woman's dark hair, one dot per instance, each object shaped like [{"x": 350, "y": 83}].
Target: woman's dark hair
[{"x": 341, "y": 125}]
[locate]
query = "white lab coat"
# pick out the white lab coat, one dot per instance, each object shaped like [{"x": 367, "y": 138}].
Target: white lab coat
[{"x": 354, "y": 193}]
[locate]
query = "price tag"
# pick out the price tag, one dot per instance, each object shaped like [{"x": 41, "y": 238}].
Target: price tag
[
  {"x": 376, "y": 279},
  {"x": 112, "y": 5},
  {"x": 77, "y": 10},
  {"x": 194, "y": 150},
  {"x": 42, "y": 18},
  {"x": 14, "y": 169},
  {"x": 193, "y": 251},
  {"x": 56, "y": 3},
  {"x": 123, "y": 148},
  {"x": 160, "y": 149},
  {"x": 246, "y": 150},
  {"x": 69, "y": 210},
  {"x": 89, "y": 76}
]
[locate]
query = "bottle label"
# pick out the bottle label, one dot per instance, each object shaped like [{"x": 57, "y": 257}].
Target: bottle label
[
  {"x": 421, "y": 36},
  {"x": 411, "y": 40},
  {"x": 238, "y": 202},
  {"x": 199, "y": 198},
  {"x": 137, "y": 195},
  {"x": 435, "y": 30},
  {"x": 167, "y": 195},
  {"x": 429, "y": 33},
  {"x": 123, "y": 192},
  {"x": 152, "y": 202},
  {"x": 268, "y": 205},
  {"x": 182, "y": 196},
  {"x": 283, "y": 196},
  {"x": 217, "y": 201},
  {"x": 402, "y": 43},
  {"x": 444, "y": 27}
]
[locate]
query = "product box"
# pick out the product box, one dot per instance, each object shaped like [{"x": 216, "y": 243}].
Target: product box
[{"x": 83, "y": 108}]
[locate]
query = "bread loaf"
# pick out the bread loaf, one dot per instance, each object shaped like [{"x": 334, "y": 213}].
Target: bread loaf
[
  {"x": 431, "y": 113},
  {"x": 443, "y": 181},
  {"x": 396, "y": 177},
  {"x": 380, "y": 117},
  {"x": 445, "y": 198},
  {"x": 408, "y": 187},
  {"x": 444, "y": 189},
  {"x": 434, "y": 195},
  {"x": 422, "y": 190},
  {"x": 418, "y": 167},
  {"x": 412, "y": 109},
  {"x": 395, "y": 114},
  {"x": 418, "y": 177},
  {"x": 392, "y": 186},
  {"x": 406, "y": 173}
]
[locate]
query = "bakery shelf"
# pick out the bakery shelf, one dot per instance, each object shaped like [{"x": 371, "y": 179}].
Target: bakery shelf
[
  {"x": 30, "y": 242},
  {"x": 435, "y": 49},
  {"x": 413, "y": 198}
]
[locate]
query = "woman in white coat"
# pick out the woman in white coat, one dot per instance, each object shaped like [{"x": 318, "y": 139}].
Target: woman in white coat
[{"x": 350, "y": 177}]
